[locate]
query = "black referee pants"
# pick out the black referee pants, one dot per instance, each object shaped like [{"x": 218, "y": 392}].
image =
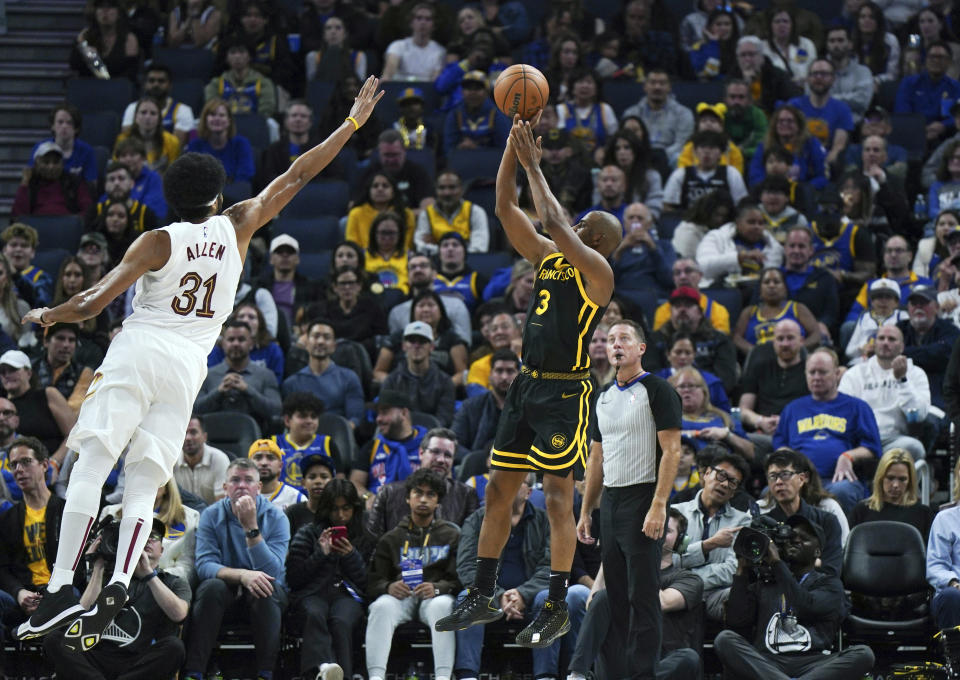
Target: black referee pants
[{"x": 631, "y": 567}]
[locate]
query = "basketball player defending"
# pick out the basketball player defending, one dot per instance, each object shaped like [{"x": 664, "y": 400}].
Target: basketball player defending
[
  {"x": 543, "y": 426},
  {"x": 186, "y": 276}
]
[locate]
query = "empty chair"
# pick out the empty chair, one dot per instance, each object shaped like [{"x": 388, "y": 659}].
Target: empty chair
[
  {"x": 90, "y": 94},
  {"x": 190, "y": 92},
  {"x": 910, "y": 132},
  {"x": 731, "y": 298},
  {"x": 231, "y": 432},
  {"x": 315, "y": 266},
  {"x": 313, "y": 234},
  {"x": 234, "y": 192},
  {"x": 427, "y": 420},
  {"x": 474, "y": 463},
  {"x": 185, "y": 62},
  {"x": 56, "y": 231},
  {"x": 338, "y": 428},
  {"x": 473, "y": 164},
  {"x": 622, "y": 94},
  {"x": 691, "y": 93},
  {"x": 100, "y": 128},
  {"x": 886, "y": 560},
  {"x": 320, "y": 198},
  {"x": 254, "y": 128},
  {"x": 486, "y": 264},
  {"x": 49, "y": 260},
  {"x": 318, "y": 96}
]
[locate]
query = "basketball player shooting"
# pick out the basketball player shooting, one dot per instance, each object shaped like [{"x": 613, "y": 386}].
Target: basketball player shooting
[
  {"x": 543, "y": 425},
  {"x": 186, "y": 275}
]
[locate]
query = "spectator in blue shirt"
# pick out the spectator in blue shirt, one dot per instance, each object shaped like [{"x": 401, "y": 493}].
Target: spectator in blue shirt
[
  {"x": 338, "y": 388},
  {"x": 832, "y": 429},
  {"x": 788, "y": 128},
  {"x": 943, "y": 568},
  {"x": 217, "y": 136},
  {"x": 475, "y": 122},
  {"x": 828, "y": 119},
  {"x": 242, "y": 543},
  {"x": 931, "y": 92},
  {"x": 147, "y": 184},
  {"x": 78, "y": 156}
]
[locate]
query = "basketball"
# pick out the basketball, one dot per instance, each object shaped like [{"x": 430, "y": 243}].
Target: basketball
[{"x": 521, "y": 89}]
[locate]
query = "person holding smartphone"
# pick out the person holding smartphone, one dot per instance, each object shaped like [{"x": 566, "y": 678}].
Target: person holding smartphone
[{"x": 327, "y": 573}]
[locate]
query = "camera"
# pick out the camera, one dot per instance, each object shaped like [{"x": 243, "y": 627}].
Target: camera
[
  {"x": 752, "y": 541},
  {"x": 108, "y": 531}
]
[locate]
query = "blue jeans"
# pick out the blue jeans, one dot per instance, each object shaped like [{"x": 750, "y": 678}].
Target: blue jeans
[
  {"x": 545, "y": 661},
  {"x": 945, "y": 608},
  {"x": 847, "y": 493}
]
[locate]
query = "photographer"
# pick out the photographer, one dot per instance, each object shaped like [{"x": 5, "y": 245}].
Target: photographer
[
  {"x": 779, "y": 627},
  {"x": 143, "y": 639}
]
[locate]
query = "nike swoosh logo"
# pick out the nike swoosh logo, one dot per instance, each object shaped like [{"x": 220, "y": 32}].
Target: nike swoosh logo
[{"x": 567, "y": 396}]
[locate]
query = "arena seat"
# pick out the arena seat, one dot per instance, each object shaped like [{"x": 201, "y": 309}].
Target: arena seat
[
  {"x": 338, "y": 428},
  {"x": 474, "y": 463},
  {"x": 320, "y": 198},
  {"x": 622, "y": 94},
  {"x": 691, "y": 93},
  {"x": 49, "y": 260},
  {"x": 909, "y": 130},
  {"x": 427, "y": 420},
  {"x": 56, "y": 231},
  {"x": 100, "y": 128},
  {"x": 314, "y": 234},
  {"x": 91, "y": 94},
  {"x": 231, "y": 432},
  {"x": 185, "y": 62},
  {"x": 190, "y": 92},
  {"x": 487, "y": 263},
  {"x": 234, "y": 192},
  {"x": 254, "y": 128},
  {"x": 318, "y": 96},
  {"x": 731, "y": 298},
  {"x": 473, "y": 164}
]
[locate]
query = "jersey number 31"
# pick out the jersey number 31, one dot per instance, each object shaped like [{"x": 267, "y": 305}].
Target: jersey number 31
[{"x": 184, "y": 303}]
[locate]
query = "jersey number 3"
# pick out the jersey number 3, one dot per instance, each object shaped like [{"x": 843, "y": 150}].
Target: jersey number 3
[
  {"x": 184, "y": 303},
  {"x": 544, "y": 299}
]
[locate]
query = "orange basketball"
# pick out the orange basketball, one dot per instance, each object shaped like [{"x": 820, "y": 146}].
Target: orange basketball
[{"x": 521, "y": 89}]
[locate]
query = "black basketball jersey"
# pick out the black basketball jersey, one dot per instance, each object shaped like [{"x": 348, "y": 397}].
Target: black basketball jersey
[
  {"x": 694, "y": 186},
  {"x": 560, "y": 320}
]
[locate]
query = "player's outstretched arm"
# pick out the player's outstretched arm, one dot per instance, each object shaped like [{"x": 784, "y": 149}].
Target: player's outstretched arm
[
  {"x": 250, "y": 215},
  {"x": 520, "y": 230},
  {"x": 148, "y": 253},
  {"x": 593, "y": 265}
]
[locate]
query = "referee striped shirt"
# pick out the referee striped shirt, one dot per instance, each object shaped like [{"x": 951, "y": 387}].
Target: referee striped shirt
[{"x": 627, "y": 419}]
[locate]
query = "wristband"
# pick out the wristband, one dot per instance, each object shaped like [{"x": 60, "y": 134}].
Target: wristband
[
  {"x": 356, "y": 125},
  {"x": 149, "y": 576},
  {"x": 41, "y": 318},
  {"x": 847, "y": 455},
  {"x": 54, "y": 463}
]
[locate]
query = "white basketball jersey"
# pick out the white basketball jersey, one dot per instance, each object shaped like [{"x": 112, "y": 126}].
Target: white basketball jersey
[{"x": 193, "y": 293}]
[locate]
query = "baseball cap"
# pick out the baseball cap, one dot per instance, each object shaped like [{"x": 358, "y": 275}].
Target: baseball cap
[
  {"x": 47, "y": 147},
  {"x": 800, "y": 520},
  {"x": 94, "y": 237},
  {"x": 15, "y": 358},
  {"x": 454, "y": 235},
  {"x": 475, "y": 77},
  {"x": 393, "y": 399},
  {"x": 418, "y": 329},
  {"x": 410, "y": 93},
  {"x": 885, "y": 285},
  {"x": 685, "y": 293},
  {"x": 265, "y": 445},
  {"x": 556, "y": 139},
  {"x": 308, "y": 462},
  {"x": 928, "y": 293},
  {"x": 284, "y": 240}
]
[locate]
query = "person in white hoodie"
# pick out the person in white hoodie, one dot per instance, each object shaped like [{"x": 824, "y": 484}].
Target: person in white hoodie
[
  {"x": 884, "y": 299},
  {"x": 742, "y": 247},
  {"x": 896, "y": 390}
]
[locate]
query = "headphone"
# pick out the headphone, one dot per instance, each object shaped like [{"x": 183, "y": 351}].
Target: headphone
[{"x": 682, "y": 540}]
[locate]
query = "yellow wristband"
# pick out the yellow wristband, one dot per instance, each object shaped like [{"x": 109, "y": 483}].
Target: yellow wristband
[{"x": 356, "y": 125}]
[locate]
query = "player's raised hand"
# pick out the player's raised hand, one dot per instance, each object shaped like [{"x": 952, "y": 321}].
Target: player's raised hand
[
  {"x": 35, "y": 316},
  {"x": 527, "y": 148},
  {"x": 365, "y": 100}
]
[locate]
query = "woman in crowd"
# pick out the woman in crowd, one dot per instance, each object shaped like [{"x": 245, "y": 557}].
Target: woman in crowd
[
  {"x": 601, "y": 370},
  {"x": 583, "y": 113},
  {"x": 658, "y": 157},
  {"x": 681, "y": 353},
  {"x": 470, "y": 20},
  {"x": 933, "y": 249},
  {"x": 715, "y": 55},
  {"x": 756, "y": 323},
  {"x": 694, "y": 27},
  {"x": 895, "y": 496},
  {"x": 449, "y": 350},
  {"x": 945, "y": 191},
  {"x": 116, "y": 224},
  {"x": 327, "y": 574},
  {"x": 163, "y": 148},
  {"x": 520, "y": 289},
  {"x": 334, "y": 57},
  {"x": 703, "y": 422},
  {"x": 386, "y": 259},
  {"x": 565, "y": 59},
  {"x": 788, "y": 128},
  {"x": 929, "y": 24},
  {"x": 194, "y": 23},
  {"x": 708, "y": 212},
  {"x": 108, "y": 36},
  {"x": 352, "y": 312},
  {"x": 93, "y": 334},
  {"x": 217, "y": 136},
  {"x": 266, "y": 351},
  {"x": 878, "y": 207},
  {"x": 873, "y": 46},
  {"x": 786, "y": 49},
  {"x": 382, "y": 196},
  {"x": 12, "y": 309},
  {"x": 633, "y": 156}
]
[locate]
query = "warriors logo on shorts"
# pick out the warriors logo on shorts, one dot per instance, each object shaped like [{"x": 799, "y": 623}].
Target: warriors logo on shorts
[{"x": 558, "y": 441}]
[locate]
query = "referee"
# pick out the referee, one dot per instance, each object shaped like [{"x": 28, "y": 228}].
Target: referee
[{"x": 633, "y": 461}]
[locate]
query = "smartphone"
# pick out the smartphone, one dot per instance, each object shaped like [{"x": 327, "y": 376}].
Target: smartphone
[
  {"x": 913, "y": 41},
  {"x": 338, "y": 533}
]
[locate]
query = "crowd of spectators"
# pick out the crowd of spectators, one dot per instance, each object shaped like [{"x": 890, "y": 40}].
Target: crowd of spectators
[{"x": 806, "y": 313}]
